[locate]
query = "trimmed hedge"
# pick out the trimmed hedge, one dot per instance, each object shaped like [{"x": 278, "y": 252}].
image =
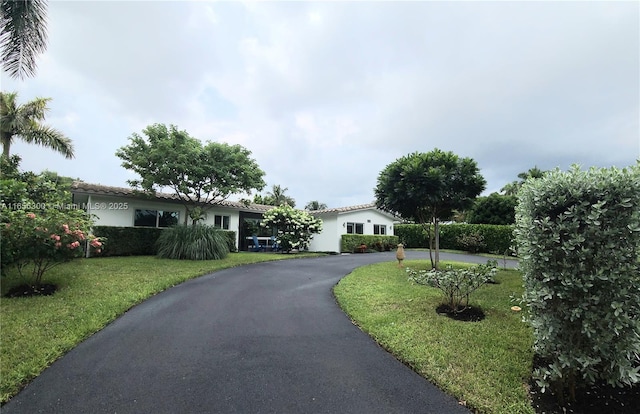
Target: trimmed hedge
[
  {"x": 350, "y": 242},
  {"x": 497, "y": 238},
  {"x": 138, "y": 241}
]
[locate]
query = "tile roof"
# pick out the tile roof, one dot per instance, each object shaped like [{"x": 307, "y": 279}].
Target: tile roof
[
  {"x": 98, "y": 189},
  {"x": 344, "y": 209}
]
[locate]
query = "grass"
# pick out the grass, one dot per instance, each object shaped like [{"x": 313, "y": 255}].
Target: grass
[
  {"x": 486, "y": 364},
  {"x": 36, "y": 331}
]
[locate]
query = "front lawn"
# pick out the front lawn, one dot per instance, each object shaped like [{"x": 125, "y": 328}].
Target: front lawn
[
  {"x": 91, "y": 293},
  {"x": 486, "y": 364}
]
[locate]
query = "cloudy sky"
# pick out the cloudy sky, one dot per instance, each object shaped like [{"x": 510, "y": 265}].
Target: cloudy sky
[{"x": 326, "y": 94}]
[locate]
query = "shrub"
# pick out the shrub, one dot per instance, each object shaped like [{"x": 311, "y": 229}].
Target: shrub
[
  {"x": 44, "y": 239},
  {"x": 578, "y": 236},
  {"x": 456, "y": 284},
  {"x": 129, "y": 241},
  {"x": 471, "y": 242},
  {"x": 350, "y": 242},
  {"x": 139, "y": 241},
  {"x": 294, "y": 228},
  {"x": 412, "y": 235},
  {"x": 194, "y": 242},
  {"x": 497, "y": 238}
]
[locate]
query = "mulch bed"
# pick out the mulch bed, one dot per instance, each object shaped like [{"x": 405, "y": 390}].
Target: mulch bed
[
  {"x": 469, "y": 314},
  {"x": 21, "y": 291},
  {"x": 597, "y": 399}
]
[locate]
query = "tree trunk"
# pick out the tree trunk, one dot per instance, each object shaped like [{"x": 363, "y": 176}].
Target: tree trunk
[{"x": 437, "y": 237}]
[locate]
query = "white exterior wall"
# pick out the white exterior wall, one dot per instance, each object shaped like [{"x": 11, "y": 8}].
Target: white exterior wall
[
  {"x": 335, "y": 225},
  {"x": 120, "y": 211},
  {"x": 325, "y": 241}
]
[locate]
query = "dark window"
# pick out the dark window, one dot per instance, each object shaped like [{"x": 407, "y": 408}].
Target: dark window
[
  {"x": 355, "y": 228},
  {"x": 145, "y": 218},
  {"x": 222, "y": 222},
  {"x": 155, "y": 218},
  {"x": 379, "y": 229},
  {"x": 167, "y": 218}
]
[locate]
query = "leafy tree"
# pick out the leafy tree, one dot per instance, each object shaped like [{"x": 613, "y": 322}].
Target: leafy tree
[
  {"x": 315, "y": 205},
  {"x": 295, "y": 228},
  {"x": 23, "y": 35},
  {"x": 25, "y": 122},
  {"x": 494, "y": 209},
  {"x": 427, "y": 187},
  {"x": 199, "y": 175},
  {"x": 513, "y": 187}
]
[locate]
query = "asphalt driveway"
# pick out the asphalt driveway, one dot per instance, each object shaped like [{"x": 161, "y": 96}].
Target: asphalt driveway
[{"x": 264, "y": 338}]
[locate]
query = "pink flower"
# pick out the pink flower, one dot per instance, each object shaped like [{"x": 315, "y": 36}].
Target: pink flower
[
  {"x": 79, "y": 234},
  {"x": 31, "y": 215},
  {"x": 66, "y": 228},
  {"x": 55, "y": 237},
  {"x": 96, "y": 243},
  {"x": 58, "y": 244},
  {"x": 73, "y": 245},
  {"x": 98, "y": 250}
]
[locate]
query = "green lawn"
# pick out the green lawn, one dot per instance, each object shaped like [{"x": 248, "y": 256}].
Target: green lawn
[
  {"x": 486, "y": 364},
  {"x": 36, "y": 331}
]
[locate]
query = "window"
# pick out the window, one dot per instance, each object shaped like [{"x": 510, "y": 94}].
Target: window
[
  {"x": 155, "y": 218},
  {"x": 355, "y": 228},
  {"x": 379, "y": 229},
  {"x": 221, "y": 222}
]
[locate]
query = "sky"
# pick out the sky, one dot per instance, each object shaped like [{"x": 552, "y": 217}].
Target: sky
[{"x": 325, "y": 95}]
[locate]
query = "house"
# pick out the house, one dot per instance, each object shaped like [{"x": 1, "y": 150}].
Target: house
[
  {"x": 361, "y": 219},
  {"x": 125, "y": 207}
]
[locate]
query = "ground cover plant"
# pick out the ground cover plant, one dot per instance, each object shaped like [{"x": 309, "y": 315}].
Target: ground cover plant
[
  {"x": 91, "y": 293},
  {"x": 485, "y": 364}
]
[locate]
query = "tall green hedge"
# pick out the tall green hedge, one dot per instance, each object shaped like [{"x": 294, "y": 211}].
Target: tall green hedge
[
  {"x": 350, "y": 242},
  {"x": 578, "y": 236},
  {"x": 128, "y": 241},
  {"x": 497, "y": 238},
  {"x": 137, "y": 241}
]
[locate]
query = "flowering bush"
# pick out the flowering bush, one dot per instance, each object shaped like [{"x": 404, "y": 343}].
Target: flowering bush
[
  {"x": 42, "y": 240},
  {"x": 295, "y": 228}
]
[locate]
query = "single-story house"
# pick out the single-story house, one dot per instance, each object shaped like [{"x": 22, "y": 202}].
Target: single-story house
[
  {"x": 125, "y": 207},
  {"x": 361, "y": 219}
]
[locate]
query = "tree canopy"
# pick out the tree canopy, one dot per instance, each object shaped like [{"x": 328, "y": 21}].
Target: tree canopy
[
  {"x": 200, "y": 175},
  {"x": 427, "y": 187},
  {"x": 23, "y": 35},
  {"x": 26, "y": 123},
  {"x": 494, "y": 209}
]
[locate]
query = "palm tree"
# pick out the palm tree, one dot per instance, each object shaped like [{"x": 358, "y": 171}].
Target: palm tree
[
  {"x": 23, "y": 35},
  {"x": 277, "y": 197},
  {"x": 315, "y": 205},
  {"x": 513, "y": 187},
  {"x": 24, "y": 122}
]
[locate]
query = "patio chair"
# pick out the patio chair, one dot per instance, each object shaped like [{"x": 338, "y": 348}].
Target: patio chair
[
  {"x": 256, "y": 244},
  {"x": 274, "y": 244}
]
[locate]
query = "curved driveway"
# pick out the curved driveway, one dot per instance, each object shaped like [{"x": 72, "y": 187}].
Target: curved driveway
[{"x": 263, "y": 338}]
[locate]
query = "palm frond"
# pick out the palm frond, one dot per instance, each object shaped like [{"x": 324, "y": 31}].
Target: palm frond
[
  {"x": 50, "y": 138},
  {"x": 23, "y": 36}
]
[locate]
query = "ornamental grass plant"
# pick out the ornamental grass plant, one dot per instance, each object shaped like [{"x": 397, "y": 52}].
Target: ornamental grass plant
[{"x": 195, "y": 242}]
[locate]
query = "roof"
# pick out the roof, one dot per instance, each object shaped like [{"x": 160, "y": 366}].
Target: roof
[
  {"x": 360, "y": 207},
  {"x": 80, "y": 187}
]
